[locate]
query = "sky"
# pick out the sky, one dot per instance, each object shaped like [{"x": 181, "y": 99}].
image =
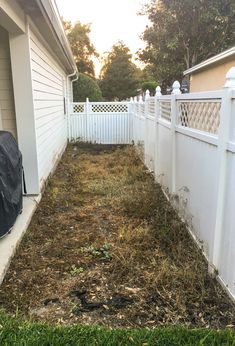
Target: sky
[{"x": 111, "y": 21}]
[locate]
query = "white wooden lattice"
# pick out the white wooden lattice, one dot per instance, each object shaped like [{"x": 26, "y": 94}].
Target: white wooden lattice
[
  {"x": 165, "y": 110},
  {"x": 109, "y": 108},
  {"x": 78, "y": 108},
  {"x": 200, "y": 115}
]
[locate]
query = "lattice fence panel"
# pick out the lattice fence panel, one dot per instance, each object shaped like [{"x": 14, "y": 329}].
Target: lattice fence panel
[
  {"x": 151, "y": 106},
  {"x": 135, "y": 108},
  {"x": 200, "y": 115},
  {"x": 109, "y": 108},
  {"x": 78, "y": 108},
  {"x": 165, "y": 110},
  {"x": 141, "y": 109}
]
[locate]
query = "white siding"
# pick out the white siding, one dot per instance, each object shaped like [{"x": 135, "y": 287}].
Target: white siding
[
  {"x": 49, "y": 90},
  {"x": 7, "y": 109}
]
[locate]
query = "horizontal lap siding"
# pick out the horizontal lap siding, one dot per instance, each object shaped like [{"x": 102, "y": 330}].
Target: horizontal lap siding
[
  {"x": 7, "y": 108},
  {"x": 48, "y": 92}
]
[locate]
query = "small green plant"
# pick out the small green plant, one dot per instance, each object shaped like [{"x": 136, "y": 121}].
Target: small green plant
[
  {"x": 102, "y": 252},
  {"x": 72, "y": 306},
  {"x": 76, "y": 270}
]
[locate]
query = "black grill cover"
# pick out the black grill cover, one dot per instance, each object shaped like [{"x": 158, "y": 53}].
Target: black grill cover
[{"x": 10, "y": 182}]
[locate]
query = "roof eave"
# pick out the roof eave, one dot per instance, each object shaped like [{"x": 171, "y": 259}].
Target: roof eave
[
  {"x": 46, "y": 17},
  {"x": 215, "y": 59}
]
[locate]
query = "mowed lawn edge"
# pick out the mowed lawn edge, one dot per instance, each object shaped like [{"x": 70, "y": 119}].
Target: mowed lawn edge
[{"x": 15, "y": 331}]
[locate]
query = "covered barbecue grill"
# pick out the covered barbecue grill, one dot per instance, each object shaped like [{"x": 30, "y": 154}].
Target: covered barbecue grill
[{"x": 10, "y": 182}]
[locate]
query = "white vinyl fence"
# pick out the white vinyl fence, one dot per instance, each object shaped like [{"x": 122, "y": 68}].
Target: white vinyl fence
[
  {"x": 188, "y": 142},
  {"x": 101, "y": 122}
]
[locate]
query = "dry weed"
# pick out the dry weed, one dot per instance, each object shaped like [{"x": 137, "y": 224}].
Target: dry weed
[{"x": 105, "y": 228}]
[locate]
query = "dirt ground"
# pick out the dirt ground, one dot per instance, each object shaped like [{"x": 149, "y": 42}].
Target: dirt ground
[{"x": 105, "y": 247}]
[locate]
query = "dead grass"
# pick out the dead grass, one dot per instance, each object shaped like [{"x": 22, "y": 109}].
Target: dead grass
[{"x": 105, "y": 233}]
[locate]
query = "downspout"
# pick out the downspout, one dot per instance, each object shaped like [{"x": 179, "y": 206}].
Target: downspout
[
  {"x": 1, "y": 126},
  {"x": 75, "y": 73},
  {"x": 74, "y": 80}
]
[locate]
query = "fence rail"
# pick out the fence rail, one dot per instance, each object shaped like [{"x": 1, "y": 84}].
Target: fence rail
[{"x": 188, "y": 142}]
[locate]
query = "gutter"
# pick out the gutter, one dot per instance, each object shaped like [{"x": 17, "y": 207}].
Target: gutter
[
  {"x": 51, "y": 11},
  {"x": 70, "y": 104},
  {"x": 221, "y": 56},
  {"x": 46, "y": 18},
  {"x": 73, "y": 80},
  {"x": 73, "y": 74}
]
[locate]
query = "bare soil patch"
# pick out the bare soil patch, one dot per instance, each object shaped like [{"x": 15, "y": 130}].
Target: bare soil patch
[{"x": 106, "y": 247}]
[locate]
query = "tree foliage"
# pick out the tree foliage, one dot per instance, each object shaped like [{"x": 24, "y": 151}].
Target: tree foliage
[
  {"x": 82, "y": 48},
  {"x": 184, "y": 33},
  {"x": 119, "y": 75},
  {"x": 85, "y": 87},
  {"x": 149, "y": 85}
]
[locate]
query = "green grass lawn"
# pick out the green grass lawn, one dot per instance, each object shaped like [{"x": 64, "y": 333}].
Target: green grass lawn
[{"x": 14, "y": 331}]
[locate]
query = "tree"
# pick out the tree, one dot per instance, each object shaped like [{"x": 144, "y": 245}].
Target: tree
[
  {"x": 184, "y": 33},
  {"x": 119, "y": 75},
  {"x": 149, "y": 85},
  {"x": 82, "y": 48},
  {"x": 85, "y": 87}
]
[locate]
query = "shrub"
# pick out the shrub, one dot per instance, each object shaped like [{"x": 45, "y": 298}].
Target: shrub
[{"x": 85, "y": 87}]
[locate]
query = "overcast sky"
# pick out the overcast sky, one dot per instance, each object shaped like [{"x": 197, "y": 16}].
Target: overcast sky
[{"x": 111, "y": 20}]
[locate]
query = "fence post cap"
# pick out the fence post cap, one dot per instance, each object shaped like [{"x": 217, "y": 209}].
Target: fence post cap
[
  {"x": 140, "y": 98},
  {"x": 230, "y": 78},
  {"x": 176, "y": 88},
  {"x": 131, "y": 99},
  {"x": 147, "y": 94},
  {"x": 87, "y": 99},
  {"x": 135, "y": 99},
  {"x": 158, "y": 91}
]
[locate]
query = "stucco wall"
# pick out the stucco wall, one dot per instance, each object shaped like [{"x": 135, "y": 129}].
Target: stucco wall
[
  {"x": 7, "y": 109},
  {"x": 212, "y": 78}
]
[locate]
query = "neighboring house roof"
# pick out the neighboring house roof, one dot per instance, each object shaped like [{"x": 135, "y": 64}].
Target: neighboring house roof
[
  {"x": 215, "y": 59},
  {"x": 45, "y": 15}
]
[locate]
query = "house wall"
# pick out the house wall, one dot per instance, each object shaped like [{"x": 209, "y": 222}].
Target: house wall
[
  {"x": 7, "y": 109},
  {"x": 49, "y": 91},
  {"x": 34, "y": 99},
  {"x": 211, "y": 78}
]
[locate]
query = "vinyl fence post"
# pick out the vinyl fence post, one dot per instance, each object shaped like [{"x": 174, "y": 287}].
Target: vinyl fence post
[
  {"x": 223, "y": 137},
  {"x": 141, "y": 129},
  {"x": 147, "y": 94},
  {"x": 131, "y": 120},
  {"x": 146, "y": 109},
  {"x": 135, "y": 137},
  {"x": 158, "y": 95},
  {"x": 86, "y": 120},
  {"x": 176, "y": 91}
]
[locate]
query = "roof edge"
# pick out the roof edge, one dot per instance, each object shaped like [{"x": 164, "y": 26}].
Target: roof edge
[
  {"x": 226, "y": 54},
  {"x": 52, "y": 12},
  {"x": 46, "y": 18}
]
